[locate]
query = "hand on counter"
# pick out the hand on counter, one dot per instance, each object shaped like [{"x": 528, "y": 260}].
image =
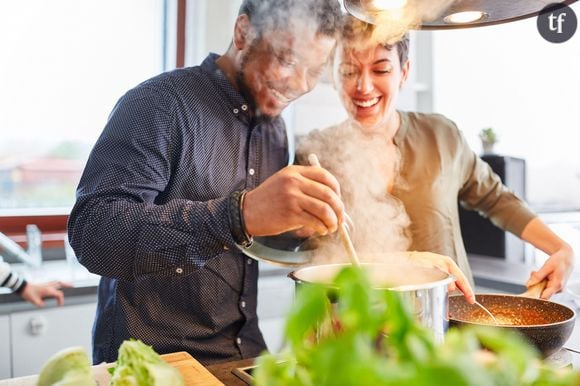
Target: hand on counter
[{"x": 36, "y": 293}]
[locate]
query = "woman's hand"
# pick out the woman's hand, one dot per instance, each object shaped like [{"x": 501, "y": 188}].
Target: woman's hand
[
  {"x": 559, "y": 265},
  {"x": 446, "y": 264},
  {"x": 556, "y": 269}
]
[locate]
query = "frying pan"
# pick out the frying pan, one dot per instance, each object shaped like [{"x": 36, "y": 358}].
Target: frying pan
[{"x": 545, "y": 324}]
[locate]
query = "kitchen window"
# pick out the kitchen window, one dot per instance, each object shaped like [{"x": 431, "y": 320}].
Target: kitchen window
[{"x": 64, "y": 65}]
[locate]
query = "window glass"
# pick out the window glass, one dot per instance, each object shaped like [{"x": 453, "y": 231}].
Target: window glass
[{"x": 64, "y": 65}]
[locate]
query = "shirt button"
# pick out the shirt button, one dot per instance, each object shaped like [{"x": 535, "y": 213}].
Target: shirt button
[
  {"x": 251, "y": 171},
  {"x": 239, "y": 340},
  {"x": 244, "y": 107},
  {"x": 249, "y": 261},
  {"x": 243, "y": 304},
  {"x": 179, "y": 270},
  {"x": 236, "y": 111},
  {"x": 226, "y": 248}
]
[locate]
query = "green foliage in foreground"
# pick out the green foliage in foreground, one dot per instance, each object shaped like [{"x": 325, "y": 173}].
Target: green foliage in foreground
[{"x": 372, "y": 339}]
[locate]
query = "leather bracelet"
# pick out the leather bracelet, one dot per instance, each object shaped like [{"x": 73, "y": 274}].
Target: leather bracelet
[
  {"x": 246, "y": 234},
  {"x": 239, "y": 233}
]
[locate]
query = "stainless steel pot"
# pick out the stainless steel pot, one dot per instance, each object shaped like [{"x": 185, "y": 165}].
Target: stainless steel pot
[{"x": 423, "y": 288}]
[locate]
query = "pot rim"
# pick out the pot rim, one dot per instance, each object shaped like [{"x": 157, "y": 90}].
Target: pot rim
[{"x": 401, "y": 288}]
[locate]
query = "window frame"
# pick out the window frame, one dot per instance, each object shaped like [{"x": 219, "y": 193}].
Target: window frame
[{"x": 53, "y": 228}]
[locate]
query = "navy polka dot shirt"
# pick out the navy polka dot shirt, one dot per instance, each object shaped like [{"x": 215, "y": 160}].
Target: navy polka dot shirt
[{"x": 151, "y": 216}]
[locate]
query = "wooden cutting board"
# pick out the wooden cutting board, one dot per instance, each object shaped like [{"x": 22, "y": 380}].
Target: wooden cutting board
[{"x": 193, "y": 372}]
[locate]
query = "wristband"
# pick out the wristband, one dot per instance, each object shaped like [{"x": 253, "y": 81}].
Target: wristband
[{"x": 237, "y": 226}]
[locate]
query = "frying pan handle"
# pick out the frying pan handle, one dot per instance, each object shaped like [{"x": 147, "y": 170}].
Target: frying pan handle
[{"x": 536, "y": 290}]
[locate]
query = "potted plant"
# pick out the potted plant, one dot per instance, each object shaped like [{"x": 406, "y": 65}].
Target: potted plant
[{"x": 488, "y": 139}]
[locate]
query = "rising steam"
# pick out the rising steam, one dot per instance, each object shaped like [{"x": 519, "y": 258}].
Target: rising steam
[
  {"x": 364, "y": 169},
  {"x": 392, "y": 24}
]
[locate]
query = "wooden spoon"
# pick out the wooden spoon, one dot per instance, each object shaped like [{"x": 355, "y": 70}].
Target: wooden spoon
[
  {"x": 342, "y": 230},
  {"x": 536, "y": 290}
]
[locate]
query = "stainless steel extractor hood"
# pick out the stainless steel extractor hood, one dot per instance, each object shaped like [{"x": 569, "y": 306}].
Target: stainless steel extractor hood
[{"x": 453, "y": 14}]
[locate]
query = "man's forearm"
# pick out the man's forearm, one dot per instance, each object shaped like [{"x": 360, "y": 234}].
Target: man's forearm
[{"x": 123, "y": 239}]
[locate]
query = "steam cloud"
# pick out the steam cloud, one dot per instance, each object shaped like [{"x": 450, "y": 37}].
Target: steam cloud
[
  {"x": 358, "y": 158},
  {"x": 361, "y": 160},
  {"x": 364, "y": 169},
  {"x": 392, "y": 25}
]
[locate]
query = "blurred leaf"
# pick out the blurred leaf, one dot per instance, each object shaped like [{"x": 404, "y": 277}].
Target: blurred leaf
[{"x": 351, "y": 334}]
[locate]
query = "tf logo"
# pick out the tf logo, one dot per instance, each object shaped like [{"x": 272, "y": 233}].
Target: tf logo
[{"x": 557, "y": 23}]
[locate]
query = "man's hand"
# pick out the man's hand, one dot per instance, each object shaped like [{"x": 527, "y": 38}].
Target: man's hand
[
  {"x": 301, "y": 198},
  {"x": 35, "y": 293}
]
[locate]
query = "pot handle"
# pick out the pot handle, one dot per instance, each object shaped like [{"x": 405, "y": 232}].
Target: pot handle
[{"x": 536, "y": 290}]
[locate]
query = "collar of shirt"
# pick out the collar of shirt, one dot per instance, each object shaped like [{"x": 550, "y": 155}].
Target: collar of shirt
[{"x": 238, "y": 104}]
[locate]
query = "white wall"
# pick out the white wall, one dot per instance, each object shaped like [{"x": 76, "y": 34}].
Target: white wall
[
  {"x": 209, "y": 25},
  {"x": 509, "y": 77}
]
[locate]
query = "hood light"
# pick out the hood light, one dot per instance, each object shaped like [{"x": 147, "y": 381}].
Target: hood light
[
  {"x": 464, "y": 17},
  {"x": 447, "y": 14}
]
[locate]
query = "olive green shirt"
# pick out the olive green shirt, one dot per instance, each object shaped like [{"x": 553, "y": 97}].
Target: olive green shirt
[{"x": 437, "y": 168}]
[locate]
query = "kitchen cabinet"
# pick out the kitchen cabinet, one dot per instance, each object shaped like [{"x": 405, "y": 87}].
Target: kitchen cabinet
[
  {"x": 5, "y": 360},
  {"x": 38, "y": 334}
]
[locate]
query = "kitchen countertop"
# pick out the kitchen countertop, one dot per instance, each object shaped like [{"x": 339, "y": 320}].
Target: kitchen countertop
[
  {"x": 499, "y": 274},
  {"x": 495, "y": 275},
  {"x": 490, "y": 273},
  {"x": 223, "y": 371},
  {"x": 84, "y": 283}
]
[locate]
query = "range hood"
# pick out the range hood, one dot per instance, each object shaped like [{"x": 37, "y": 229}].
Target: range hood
[{"x": 453, "y": 14}]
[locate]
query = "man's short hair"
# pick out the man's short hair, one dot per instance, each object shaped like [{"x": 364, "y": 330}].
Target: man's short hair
[{"x": 266, "y": 15}]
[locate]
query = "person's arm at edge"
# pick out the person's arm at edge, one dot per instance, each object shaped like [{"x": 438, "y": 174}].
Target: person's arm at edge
[
  {"x": 559, "y": 266},
  {"x": 33, "y": 293}
]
